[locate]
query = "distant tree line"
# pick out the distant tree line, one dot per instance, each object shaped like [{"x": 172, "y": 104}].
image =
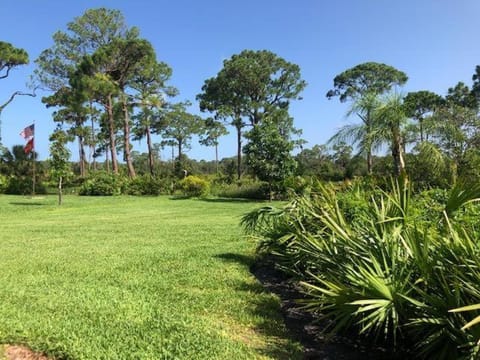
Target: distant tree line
[{"x": 108, "y": 88}]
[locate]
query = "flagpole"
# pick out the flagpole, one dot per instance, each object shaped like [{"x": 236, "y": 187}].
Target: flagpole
[{"x": 33, "y": 151}]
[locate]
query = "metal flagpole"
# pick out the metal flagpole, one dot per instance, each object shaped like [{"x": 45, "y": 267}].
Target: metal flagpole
[{"x": 33, "y": 152}]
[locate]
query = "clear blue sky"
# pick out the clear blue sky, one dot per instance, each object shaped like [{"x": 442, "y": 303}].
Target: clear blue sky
[{"x": 434, "y": 41}]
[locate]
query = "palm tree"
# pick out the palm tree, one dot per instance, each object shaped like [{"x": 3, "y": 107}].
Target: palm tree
[
  {"x": 363, "y": 134},
  {"x": 390, "y": 121}
]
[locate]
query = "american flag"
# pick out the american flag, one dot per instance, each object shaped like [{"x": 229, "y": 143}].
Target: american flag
[
  {"x": 28, "y": 132},
  {"x": 29, "y": 146}
]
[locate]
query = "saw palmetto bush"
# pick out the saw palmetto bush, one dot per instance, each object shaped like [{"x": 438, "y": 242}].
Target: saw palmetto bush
[{"x": 386, "y": 264}]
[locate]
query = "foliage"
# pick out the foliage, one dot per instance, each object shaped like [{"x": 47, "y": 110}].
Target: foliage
[
  {"x": 369, "y": 77},
  {"x": 268, "y": 152},
  {"x": 383, "y": 264},
  {"x": 251, "y": 86},
  {"x": 59, "y": 165},
  {"x": 3, "y": 183},
  {"x": 194, "y": 186},
  {"x": 147, "y": 185},
  {"x": 23, "y": 185},
  {"x": 101, "y": 184},
  {"x": 179, "y": 128},
  {"x": 244, "y": 189},
  {"x": 362, "y": 85}
]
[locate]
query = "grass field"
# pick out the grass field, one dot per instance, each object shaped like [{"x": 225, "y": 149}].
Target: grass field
[{"x": 134, "y": 278}]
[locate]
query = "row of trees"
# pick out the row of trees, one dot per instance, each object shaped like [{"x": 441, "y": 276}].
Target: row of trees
[
  {"x": 441, "y": 131},
  {"x": 108, "y": 88}
]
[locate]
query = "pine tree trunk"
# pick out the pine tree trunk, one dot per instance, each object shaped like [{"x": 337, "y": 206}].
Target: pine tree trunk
[
  {"x": 126, "y": 138},
  {"x": 239, "y": 151},
  {"x": 216, "y": 157},
  {"x": 60, "y": 191},
  {"x": 111, "y": 135},
  {"x": 150, "y": 152},
  {"x": 81, "y": 150}
]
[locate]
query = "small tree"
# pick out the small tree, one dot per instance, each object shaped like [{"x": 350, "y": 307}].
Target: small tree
[
  {"x": 268, "y": 152},
  {"x": 179, "y": 128},
  {"x": 59, "y": 156},
  {"x": 212, "y": 131}
]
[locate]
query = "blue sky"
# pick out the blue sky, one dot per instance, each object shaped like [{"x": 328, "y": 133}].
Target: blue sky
[{"x": 435, "y": 42}]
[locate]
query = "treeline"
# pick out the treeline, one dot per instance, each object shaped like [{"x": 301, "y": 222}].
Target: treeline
[{"x": 108, "y": 89}]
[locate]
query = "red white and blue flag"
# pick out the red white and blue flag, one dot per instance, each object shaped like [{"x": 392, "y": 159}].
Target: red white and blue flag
[
  {"x": 28, "y": 132},
  {"x": 29, "y": 146}
]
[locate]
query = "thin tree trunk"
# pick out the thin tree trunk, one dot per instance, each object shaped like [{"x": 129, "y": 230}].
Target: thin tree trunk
[
  {"x": 81, "y": 150},
  {"x": 92, "y": 142},
  {"x": 216, "y": 157},
  {"x": 420, "y": 121},
  {"x": 111, "y": 130},
  {"x": 60, "y": 191},
  {"x": 239, "y": 151},
  {"x": 107, "y": 160},
  {"x": 397, "y": 153},
  {"x": 369, "y": 162},
  {"x": 150, "y": 152},
  {"x": 180, "y": 155},
  {"x": 126, "y": 138}
]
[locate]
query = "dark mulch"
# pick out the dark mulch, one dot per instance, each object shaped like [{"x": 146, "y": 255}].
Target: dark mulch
[{"x": 307, "y": 329}]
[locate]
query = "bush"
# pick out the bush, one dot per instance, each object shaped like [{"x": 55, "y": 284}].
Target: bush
[
  {"x": 3, "y": 183},
  {"x": 194, "y": 186},
  {"x": 391, "y": 269},
  {"x": 243, "y": 190},
  {"x": 101, "y": 184},
  {"x": 23, "y": 186},
  {"x": 147, "y": 185}
]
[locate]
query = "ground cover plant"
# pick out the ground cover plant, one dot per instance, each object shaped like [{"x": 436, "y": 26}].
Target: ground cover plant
[
  {"x": 395, "y": 268},
  {"x": 130, "y": 277}
]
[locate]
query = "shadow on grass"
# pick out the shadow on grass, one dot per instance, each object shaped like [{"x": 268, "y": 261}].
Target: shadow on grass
[
  {"x": 216, "y": 200},
  {"x": 237, "y": 258},
  {"x": 231, "y": 200},
  {"x": 266, "y": 306},
  {"x": 17, "y": 203}
]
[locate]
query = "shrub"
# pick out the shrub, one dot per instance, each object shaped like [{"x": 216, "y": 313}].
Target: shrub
[
  {"x": 194, "y": 186},
  {"x": 23, "y": 186},
  {"x": 3, "y": 183},
  {"x": 101, "y": 184},
  {"x": 147, "y": 185},
  {"x": 391, "y": 269},
  {"x": 243, "y": 190}
]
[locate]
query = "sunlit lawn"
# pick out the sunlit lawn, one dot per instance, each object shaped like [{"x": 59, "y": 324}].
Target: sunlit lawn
[{"x": 134, "y": 278}]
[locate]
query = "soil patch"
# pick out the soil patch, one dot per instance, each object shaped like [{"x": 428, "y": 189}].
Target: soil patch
[
  {"x": 307, "y": 329},
  {"x": 14, "y": 352}
]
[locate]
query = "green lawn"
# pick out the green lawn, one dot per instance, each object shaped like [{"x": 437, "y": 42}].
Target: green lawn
[{"x": 134, "y": 278}]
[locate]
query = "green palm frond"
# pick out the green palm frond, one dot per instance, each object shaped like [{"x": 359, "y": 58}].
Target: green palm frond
[{"x": 461, "y": 195}]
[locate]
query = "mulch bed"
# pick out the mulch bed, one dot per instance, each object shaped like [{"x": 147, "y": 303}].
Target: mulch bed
[{"x": 307, "y": 329}]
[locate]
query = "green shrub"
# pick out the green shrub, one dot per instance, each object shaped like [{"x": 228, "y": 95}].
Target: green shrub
[
  {"x": 23, "y": 186},
  {"x": 101, "y": 184},
  {"x": 390, "y": 269},
  {"x": 3, "y": 183},
  {"x": 194, "y": 186},
  {"x": 147, "y": 185},
  {"x": 245, "y": 190}
]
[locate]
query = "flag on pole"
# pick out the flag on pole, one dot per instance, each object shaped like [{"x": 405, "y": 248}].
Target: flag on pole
[
  {"x": 29, "y": 146},
  {"x": 28, "y": 132}
]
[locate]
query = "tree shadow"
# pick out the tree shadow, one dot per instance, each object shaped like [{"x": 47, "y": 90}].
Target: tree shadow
[
  {"x": 266, "y": 306},
  {"x": 276, "y": 302},
  {"x": 231, "y": 200},
  {"x": 17, "y": 203}
]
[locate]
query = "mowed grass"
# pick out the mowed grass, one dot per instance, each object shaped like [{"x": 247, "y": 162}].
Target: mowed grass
[{"x": 134, "y": 278}]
